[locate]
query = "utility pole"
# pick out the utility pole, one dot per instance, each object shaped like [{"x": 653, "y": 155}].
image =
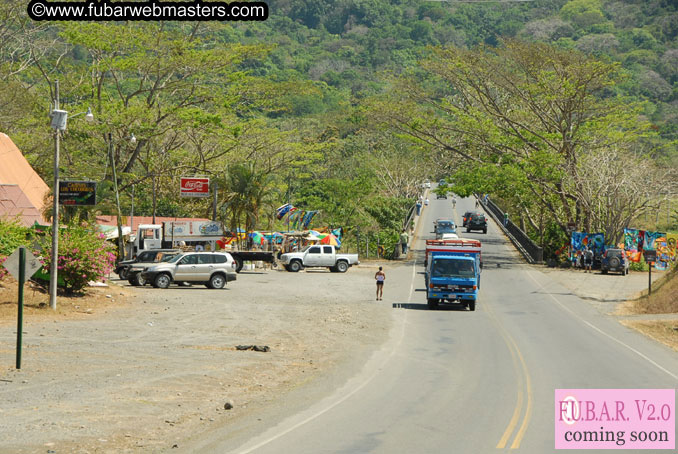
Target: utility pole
[
  {"x": 153, "y": 197},
  {"x": 121, "y": 248},
  {"x": 55, "y": 211},
  {"x": 214, "y": 205}
]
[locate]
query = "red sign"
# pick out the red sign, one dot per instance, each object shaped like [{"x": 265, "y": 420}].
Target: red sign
[{"x": 195, "y": 187}]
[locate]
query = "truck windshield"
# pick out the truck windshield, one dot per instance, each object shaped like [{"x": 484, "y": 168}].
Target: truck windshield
[{"x": 452, "y": 268}]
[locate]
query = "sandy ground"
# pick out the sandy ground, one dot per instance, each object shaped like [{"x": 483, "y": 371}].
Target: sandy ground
[{"x": 147, "y": 371}]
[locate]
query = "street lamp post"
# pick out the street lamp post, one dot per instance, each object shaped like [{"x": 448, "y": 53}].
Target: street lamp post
[{"x": 59, "y": 120}]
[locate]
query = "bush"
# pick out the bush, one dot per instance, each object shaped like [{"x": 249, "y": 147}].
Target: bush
[
  {"x": 84, "y": 255},
  {"x": 12, "y": 235}
]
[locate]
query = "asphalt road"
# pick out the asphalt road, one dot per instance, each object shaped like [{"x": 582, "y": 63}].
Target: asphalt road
[{"x": 457, "y": 381}]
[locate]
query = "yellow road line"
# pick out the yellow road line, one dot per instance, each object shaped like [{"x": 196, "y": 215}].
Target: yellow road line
[{"x": 517, "y": 357}]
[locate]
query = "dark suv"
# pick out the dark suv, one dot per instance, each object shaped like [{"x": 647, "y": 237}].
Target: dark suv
[
  {"x": 154, "y": 255},
  {"x": 477, "y": 221},
  {"x": 614, "y": 260},
  {"x": 467, "y": 216}
]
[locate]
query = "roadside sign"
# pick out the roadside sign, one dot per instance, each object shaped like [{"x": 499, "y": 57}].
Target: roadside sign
[
  {"x": 77, "y": 193},
  {"x": 195, "y": 187},
  {"x": 12, "y": 264},
  {"x": 650, "y": 255}
]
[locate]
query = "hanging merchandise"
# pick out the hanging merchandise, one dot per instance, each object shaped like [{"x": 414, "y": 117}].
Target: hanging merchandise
[
  {"x": 281, "y": 211},
  {"x": 308, "y": 218},
  {"x": 633, "y": 244}
]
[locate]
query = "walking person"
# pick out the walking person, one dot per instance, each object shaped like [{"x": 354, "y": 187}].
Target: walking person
[
  {"x": 380, "y": 277},
  {"x": 426, "y": 201},
  {"x": 506, "y": 219},
  {"x": 477, "y": 203},
  {"x": 404, "y": 239},
  {"x": 454, "y": 202}
]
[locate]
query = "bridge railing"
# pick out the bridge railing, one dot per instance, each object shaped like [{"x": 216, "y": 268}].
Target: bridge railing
[{"x": 531, "y": 250}]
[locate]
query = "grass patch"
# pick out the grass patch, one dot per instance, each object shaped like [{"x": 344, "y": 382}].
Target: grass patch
[{"x": 663, "y": 299}]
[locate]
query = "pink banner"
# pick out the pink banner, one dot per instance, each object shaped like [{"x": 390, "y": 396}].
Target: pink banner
[{"x": 615, "y": 418}]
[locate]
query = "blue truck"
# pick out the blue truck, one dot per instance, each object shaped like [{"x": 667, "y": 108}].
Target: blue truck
[{"x": 453, "y": 270}]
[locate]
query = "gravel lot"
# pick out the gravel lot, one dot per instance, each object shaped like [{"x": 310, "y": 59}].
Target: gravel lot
[{"x": 149, "y": 374}]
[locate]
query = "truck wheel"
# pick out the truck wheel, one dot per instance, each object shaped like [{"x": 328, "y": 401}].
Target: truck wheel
[
  {"x": 472, "y": 305},
  {"x": 342, "y": 266},
  {"x": 216, "y": 282},
  {"x": 238, "y": 264},
  {"x": 432, "y": 303},
  {"x": 604, "y": 271},
  {"x": 294, "y": 266},
  {"x": 485, "y": 230},
  {"x": 162, "y": 281},
  {"x": 468, "y": 230},
  {"x": 333, "y": 269},
  {"x": 123, "y": 273}
]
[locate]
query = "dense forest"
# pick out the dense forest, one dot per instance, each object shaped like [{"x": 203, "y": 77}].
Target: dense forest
[{"x": 564, "y": 111}]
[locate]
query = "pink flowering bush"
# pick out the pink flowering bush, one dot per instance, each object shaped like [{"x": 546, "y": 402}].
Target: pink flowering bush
[
  {"x": 84, "y": 255},
  {"x": 3, "y": 271}
]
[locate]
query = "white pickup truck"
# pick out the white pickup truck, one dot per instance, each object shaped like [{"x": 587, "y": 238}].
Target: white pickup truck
[{"x": 318, "y": 256}]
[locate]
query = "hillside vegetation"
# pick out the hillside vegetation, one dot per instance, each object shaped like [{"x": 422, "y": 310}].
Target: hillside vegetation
[{"x": 565, "y": 111}]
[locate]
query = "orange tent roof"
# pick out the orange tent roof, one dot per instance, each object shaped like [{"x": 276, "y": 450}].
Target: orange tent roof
[
  {"x": 15, "y": 204},
  {"x": 15, "y": 169}
]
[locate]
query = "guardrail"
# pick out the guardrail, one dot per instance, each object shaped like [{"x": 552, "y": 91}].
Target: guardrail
[{"x": 531, "y": 250}]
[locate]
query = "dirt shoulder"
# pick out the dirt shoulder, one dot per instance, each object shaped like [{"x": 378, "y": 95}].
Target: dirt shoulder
[{"x": 145, "y": 369}]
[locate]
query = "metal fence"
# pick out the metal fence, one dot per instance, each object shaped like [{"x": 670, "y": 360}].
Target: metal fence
[{"x": 532, "y": 252}]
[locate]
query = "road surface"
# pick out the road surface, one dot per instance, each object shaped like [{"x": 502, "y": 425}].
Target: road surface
[{"x": 457, "y": 381}]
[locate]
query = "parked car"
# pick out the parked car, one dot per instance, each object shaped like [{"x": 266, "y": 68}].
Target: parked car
[
  {"x": 123, "y": 268},
  {"x": 319, "y": 256},
  {"x": 213, "y": 269},
  {"x": 427, "y": 184},
  {"x": 467, "y": 216},
  {"x": 156, "y": 256},
  {"x": 477, "y": 221},
  {"x": 614, "y": 260}
]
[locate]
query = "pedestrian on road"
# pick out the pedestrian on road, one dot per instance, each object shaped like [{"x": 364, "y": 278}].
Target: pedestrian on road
[
  {"x": 380, "y": 277},
  {"x": 404, "y": 239},
  {"x": 454, "y": 202},
  {"x": 477, "y": 203},
  {"x": 426, "y": 201}
]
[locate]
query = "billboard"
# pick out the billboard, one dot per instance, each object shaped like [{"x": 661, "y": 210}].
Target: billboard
[
  {"x": 193, "y": 229},
  {"x": 195, "y": 187},
  {"x": 77, "y": 193}
]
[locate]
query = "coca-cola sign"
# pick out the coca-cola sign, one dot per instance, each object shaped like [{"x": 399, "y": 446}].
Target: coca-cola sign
[{"x": 195, "y": 187}]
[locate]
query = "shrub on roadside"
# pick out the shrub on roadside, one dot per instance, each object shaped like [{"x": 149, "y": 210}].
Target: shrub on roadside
[
  {"x": 12, "y": 235},
  {"x": 84, "y": 255}
]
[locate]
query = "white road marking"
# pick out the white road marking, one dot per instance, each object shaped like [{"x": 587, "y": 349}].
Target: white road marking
[
  {"x": 350, "y": 394},
  {"x": 594, "y": 327}
]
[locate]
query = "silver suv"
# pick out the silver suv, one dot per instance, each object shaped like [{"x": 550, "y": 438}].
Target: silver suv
[{"x": 214, "y": 269}]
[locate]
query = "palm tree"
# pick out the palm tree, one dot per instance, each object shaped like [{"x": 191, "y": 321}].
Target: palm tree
[{"x": 248, "y": 191}]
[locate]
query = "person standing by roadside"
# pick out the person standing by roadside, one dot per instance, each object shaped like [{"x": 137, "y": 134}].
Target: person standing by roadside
[
  {"x": 404, "y": 239},
  {"x": 506, "y": 219},
  {"x": 426, "y": 201},
  {"x": 588, "y": 260},
  {"x": 380, "y": 277}
]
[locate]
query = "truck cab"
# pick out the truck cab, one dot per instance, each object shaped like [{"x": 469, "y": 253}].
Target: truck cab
[{"x": 452, "y": 272}]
